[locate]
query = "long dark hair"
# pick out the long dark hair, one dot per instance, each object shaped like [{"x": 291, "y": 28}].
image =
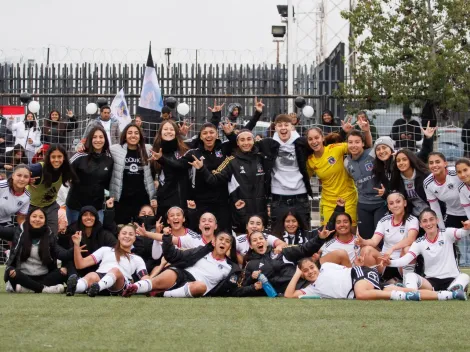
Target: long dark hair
[
  {"x": 68, "y": 175},
  {"x": 118, "y": 251},
  {"x": 279, "y": 229},
  {"x": 44, "y": 251},
  {"x": 140, "y": 146},
  {"x": 89, "y": 141},
  {"x": 383, "y": 170},
  {"x": 10, "y": 179},
  {"x": 182, "y": 148},
  {"x": 10, "y": 156},
  {"x": 415, "y": 164}
]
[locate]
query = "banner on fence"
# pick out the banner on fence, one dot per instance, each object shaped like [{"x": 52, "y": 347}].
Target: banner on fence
[
  {"x": 11, "y": 111},
  {"x": 119, "y": 110}
]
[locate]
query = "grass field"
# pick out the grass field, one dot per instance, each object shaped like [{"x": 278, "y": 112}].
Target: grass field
[{"x": 40, "y": 322}]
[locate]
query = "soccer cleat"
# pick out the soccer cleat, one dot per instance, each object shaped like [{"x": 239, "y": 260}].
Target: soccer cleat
[
  {"x": 21, "y": 289},
  {"x": 459, "y": 295},
  {"x": 130, "y": 290},
  {"x": 53, "y": 289},
  {"x": 72, "y": 285},
  {"x": 93, "y": 290},
  {"x": 413, "y": 296},
  {"x": 456, "y": 287}
]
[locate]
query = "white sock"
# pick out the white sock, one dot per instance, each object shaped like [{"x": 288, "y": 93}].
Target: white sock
[
  {"x": 81, "y": 286},
  {"x": 461, "y": 279},
  {"x": 181, "y": 292},
  {"x": 412, "y": 280},
  {"x": 107, "y": 281},
  {"x": 408, "y": 269},
  {"x": 398, "y": 296},
  {"x": 444, "y": 295},
  {"x": 144, "y": 286}
]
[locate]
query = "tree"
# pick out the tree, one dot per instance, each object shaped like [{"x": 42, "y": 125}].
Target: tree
[{"x": 411, "y": 51}]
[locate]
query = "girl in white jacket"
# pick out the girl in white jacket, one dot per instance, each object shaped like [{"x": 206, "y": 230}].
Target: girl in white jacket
[{"x": 27, "y": 134}]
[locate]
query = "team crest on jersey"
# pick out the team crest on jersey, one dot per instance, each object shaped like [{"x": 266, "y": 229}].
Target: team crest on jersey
[
  {"x": 440, "y": 243},
  {"x": 450, "y": 185},
  {"x": 259, "y": 168},
  {"x": 233, "y": 279},
  {"x": 218, "y": 153},
  {"x": 369, "y": 166},
  {"x": 331, "y": 160},
  {"x": 242, "y": 170},
  {"x": 20, "y": 203},
  {"x": 409, "y": 185},
  {"x": 220, "y": 266},
  {"x": 402, "y": 230}
]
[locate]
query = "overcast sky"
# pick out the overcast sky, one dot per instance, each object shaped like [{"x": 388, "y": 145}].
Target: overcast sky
[{"x": 124, "y": 25}]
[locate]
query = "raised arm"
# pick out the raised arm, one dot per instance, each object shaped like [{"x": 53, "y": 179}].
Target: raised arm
[
  {"x": 291, "y": 292},
  {"x": 80, "y": 262},
  {"x": 257, "y": 114}
]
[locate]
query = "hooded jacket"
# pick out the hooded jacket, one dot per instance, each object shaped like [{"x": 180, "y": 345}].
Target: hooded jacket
[
  {"x": 23, "y": 133},
  {"x": 280, "y": 268},
  {"x": 334, "y": 126},
  {"x": 408, "y": 127},
  {"x": 245, "y": 174},
  {"x": 187, "y": 258},
  {"x": 94, "y": 172},
  {"x": 16, "y": 235},
  {"x": 101, "y": 236}
]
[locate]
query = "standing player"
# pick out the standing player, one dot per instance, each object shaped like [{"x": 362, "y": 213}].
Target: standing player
[
  {"x": 436, "y": 247},
  {"x": 117, "y": 265},
  {"x": 398, "y": 231},
  {"x": 462, "y": 166},
  {"x": 194, "y": 272}
]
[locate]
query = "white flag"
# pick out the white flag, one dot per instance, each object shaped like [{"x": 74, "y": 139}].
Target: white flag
[{"x": 119, "y": 110}]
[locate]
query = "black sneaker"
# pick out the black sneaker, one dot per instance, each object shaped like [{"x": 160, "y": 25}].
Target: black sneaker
[
  {"x": 93, "y": 290},
  {"x": 72, "y": 285}
]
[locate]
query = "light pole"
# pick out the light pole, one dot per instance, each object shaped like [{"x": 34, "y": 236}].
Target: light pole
[
  {"x": 278, "y": 33},
  {"x": 287, "y": 11}
]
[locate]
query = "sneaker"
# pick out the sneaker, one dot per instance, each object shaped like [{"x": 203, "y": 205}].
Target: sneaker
[
  {"x": 93, "y": 290},
  {"x": 456, "y": 287},
  {"x": 130, "y": 290},
  {"x": 54, "y": 289},
  {"x": 459, "y": 295},
  {"x": 9, "y": 287},
  {"x": 21, "y": 289},
  {"x": 413, "y": 296},
  {"x": 72, "y": 285}
]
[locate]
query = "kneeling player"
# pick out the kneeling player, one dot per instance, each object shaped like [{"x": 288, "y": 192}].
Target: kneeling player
[
  {"x": 194, "y": 272},
  {"x": 360, "y": 282},
  {"x": 117, "y": 265}
]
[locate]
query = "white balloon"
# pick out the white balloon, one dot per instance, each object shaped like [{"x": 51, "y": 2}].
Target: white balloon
[
  {"x": 91, "y": 108},
  {"x": 34, "y": 106},
  {"x": 307, "y": 111},
  {"x": 183, "y": 109}
]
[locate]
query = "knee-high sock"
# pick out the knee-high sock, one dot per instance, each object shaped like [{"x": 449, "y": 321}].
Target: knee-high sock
[
  {"x": 81, "y": 286},
  {"x": 107, "y": 281},
  {"x": 412, "y": 280},
  {"x": 181, "y": 292},
  {"x": 461, "y": 279},
  {"x": 144, "y": 286},
  {"x": 407, "y": 269}
]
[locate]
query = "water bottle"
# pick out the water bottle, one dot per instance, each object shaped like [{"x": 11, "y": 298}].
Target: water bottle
[{"x": 267, "y": 287}]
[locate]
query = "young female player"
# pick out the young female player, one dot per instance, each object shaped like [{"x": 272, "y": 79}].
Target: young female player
[
  {"x": 15, "y": 196},
  {"x": 462, "y": 167},
  {"x": 116, "y": 266},
  {"x": 436, "y": 246},
  {"x": 398, "y": 231}
]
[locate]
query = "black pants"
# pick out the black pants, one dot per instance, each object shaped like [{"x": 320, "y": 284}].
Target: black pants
[
  {"x": 35, "y": 283},
  {"x": 281, "y": 204},
  {"x": 127, "y": 209},
  {"x": 368, "y": 215}
]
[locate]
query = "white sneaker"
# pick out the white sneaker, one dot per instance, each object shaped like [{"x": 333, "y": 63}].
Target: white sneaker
[
  {"x": 21, "y": 289},
  {"x": 54, "y": 289},
  {"x": 9, "y": 287}
]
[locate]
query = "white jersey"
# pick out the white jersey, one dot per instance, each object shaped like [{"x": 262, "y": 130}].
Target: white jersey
[
  {"x": 106, "y": 257},
  {"x": 439, "y": 259},
  {"x": 447, "y": 192},
  {"x": 12, "y": 204},
  {"x": 191, "y": 240},
  {"x": 334, "y": 281},
  {"x": 464, "y": 193},
  {"x": 393, "y": 233},
  {"x": 209, "y": 270},
  {"x": 335, "y": 244},
  {"x": 243, "y": 246}
]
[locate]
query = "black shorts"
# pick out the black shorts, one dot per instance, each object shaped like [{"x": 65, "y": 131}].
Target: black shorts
[
  {"x": 391, "y": 273},
  {"x": 440, "y": 284},
  {"x": 371, "y": 275},
  {"x": 182, "y": 277}
]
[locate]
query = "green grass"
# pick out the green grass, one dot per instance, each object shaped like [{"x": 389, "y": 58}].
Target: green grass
[{"x": 40, "y": 322}]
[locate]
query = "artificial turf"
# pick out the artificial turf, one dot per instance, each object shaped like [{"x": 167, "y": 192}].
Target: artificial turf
[{"x": 41, "y": 322}]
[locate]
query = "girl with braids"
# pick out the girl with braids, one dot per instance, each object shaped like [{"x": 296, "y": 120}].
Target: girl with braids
[
  {"x": 32, "y": 265},
  {"x": 131, "y": 183},
  {"x": 94, "y": 168},
  {"x": 49, "y": 175}
]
